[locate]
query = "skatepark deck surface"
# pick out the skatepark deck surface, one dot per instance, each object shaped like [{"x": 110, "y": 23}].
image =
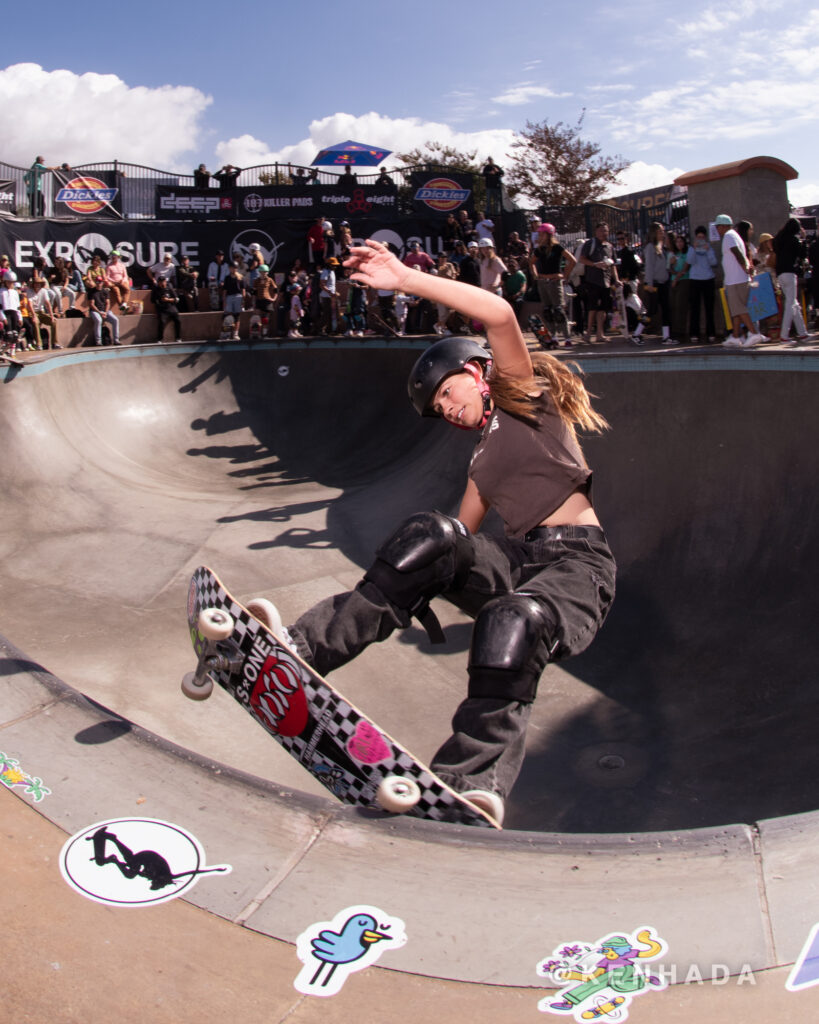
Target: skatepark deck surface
[{"x": 282, "y": 467}]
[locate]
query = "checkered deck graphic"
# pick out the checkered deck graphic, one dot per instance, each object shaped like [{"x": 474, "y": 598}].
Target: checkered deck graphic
[{"x": 337, "y": 741}]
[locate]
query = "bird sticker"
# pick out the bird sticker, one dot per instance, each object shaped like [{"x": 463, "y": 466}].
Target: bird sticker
[{"x": 331, "y": 951}]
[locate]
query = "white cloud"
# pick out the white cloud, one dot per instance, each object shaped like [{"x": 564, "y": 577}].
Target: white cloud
[
  {"x": 726, "y": 19},
  {"x": 639, "y": 176},
  {"x": 87, "y": 118},
  {"x": 525, "y": 92},
  {"x": 610, "y": 87},
  {"x": 752, "y": 84},
  {"x": 803, "y": 194},
  {"x": 396, "y": 134}
]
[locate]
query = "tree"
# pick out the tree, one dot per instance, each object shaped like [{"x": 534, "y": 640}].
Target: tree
[
  {"x": 554, "y": 166},
  {"x": 436, "y": 154}
]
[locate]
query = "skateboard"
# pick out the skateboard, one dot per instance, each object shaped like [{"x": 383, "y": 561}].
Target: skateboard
[
  {"x": 214, "y": 295},
  {"x": 603, "y": 1009},
  {"x": 255, "y": 327},
  {"x": 382, "y": 323},
  {"x": 541, "y": 332},
  {"x": 338, "y": 744},
  {"x": 10, "y": 359},
  {"x": 230, "y": 328}
]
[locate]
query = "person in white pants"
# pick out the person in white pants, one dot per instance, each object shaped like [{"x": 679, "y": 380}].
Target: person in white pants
[{"x": 789, "y": 247}]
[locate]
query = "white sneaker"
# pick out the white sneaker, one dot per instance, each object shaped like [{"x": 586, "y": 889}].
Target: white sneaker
[
  {"x": 752, "y": 341},
  {"x": 486, "y": 800},
  {"x": 670, "y": 341},
  {"x": 732, "y": 342},
  {"x": 268, "y": 614}
]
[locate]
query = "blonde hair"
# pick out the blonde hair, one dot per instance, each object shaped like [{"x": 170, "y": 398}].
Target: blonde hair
[
  {"x": 552, "y": 380},
  {"x": 654, "y": 237}
]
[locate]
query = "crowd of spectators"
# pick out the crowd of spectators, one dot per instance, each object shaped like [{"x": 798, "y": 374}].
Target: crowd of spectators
[
  {"x": 584, "y": 289},
  {"x": 667, "y": 285},
  {"x": 227, "y": 176}
]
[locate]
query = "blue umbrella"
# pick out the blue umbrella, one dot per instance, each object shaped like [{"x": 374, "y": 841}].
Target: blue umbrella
[{"x": 353, "y": 153}]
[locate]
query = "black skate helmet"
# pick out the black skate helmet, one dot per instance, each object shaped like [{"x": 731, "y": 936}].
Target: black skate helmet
[{"x": 440, "y": 360}]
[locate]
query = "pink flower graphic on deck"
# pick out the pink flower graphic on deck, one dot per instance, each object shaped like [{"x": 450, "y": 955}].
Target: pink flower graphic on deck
[{"x": 368, "y": 745}]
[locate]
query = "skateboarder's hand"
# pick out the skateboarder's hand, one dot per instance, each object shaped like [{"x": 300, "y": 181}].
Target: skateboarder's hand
[{"x": 373, "y": 264}]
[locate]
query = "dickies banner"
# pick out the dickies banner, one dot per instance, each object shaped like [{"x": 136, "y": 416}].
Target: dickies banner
[
  {"x": 87, "y": 195},
  {"x": 440, "y": 194},
  {"x": 144, "y": 243},
  {"x": 279, "y": 202}
]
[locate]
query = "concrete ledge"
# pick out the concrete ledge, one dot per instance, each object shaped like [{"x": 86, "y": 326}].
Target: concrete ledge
[
  {"x": 136, "y": 329},
  {"x": 481, "y": 907}
]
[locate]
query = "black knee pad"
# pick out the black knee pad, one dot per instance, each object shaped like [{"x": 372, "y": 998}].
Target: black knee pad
[
  {"x": 427, "y": 554},
  {"x": 511, "y": 641}
]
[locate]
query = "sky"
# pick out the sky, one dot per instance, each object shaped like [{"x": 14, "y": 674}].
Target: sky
[{"x": 668, "y": 87}]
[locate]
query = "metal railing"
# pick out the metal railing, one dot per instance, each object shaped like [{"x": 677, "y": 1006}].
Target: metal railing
[{"x": 137, "y": 184}]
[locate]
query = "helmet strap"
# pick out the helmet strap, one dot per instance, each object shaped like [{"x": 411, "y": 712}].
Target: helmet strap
[{"x": 480, "y": 379}]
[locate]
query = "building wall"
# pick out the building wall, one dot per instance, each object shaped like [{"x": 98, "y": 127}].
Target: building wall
[{"x": 759, "y": 195}]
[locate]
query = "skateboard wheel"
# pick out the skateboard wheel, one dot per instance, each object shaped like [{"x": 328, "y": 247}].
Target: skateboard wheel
[
  {"x": 194, "y": 690},
  {"x": 214, "y": 624},
  {"x": 396, "y": 793},
  {"x": 267, "y": 613}
]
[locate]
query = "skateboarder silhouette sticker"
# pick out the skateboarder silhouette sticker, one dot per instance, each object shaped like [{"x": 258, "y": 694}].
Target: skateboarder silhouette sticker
[{"x": 134, "y": 862}]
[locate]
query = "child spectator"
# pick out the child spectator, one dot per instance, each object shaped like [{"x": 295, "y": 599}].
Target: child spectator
[
  {"x": 355, "y": 313},
  {"x": 296, "y": 311}
]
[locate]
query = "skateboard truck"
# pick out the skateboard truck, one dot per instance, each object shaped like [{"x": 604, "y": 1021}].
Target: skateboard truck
[{"x": 219, "y": 654}]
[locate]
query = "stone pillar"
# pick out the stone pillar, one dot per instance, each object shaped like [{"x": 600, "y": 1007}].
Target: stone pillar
[{"x": 755, "y": 190}]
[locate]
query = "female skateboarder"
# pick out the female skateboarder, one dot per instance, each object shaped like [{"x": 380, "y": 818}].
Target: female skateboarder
[{"x": 538, "y": 594}]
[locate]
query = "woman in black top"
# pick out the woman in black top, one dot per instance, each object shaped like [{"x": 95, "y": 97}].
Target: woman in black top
[
  {"x": 789, "y": 250},
  {"x": 539, "y": 593}
]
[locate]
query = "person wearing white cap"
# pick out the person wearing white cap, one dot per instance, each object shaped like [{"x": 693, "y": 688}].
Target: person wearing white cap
[
  {"x": 737, "y": 270},
  {"x": 492, "y": 267}
]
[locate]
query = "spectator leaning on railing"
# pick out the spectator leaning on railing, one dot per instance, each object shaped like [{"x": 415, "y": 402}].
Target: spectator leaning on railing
[{"x": 33, "y": 179}]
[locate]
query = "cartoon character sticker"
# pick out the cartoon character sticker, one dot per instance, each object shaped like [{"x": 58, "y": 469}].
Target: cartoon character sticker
[
  {"x": 11, "y": 774},
  {"x": 134, "y": 862},
  {"x": 332, "y": 950},
  {"x": 604, "y": 975}
]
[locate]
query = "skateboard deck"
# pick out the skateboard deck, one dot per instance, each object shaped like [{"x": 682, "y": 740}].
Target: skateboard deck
[
  {"x": 544, "y": 336},
  {"x": 382, "y": 323},
  {"x": 338, "y": 744},
  {"x": 11, "y": 359}
]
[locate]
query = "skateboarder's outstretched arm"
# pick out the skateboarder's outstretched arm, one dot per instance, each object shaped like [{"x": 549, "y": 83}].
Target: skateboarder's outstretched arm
[{"x": 373, "y": 264}]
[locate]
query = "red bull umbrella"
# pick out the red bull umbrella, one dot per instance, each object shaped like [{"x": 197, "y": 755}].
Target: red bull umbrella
[{"x": 356, "y": 154}]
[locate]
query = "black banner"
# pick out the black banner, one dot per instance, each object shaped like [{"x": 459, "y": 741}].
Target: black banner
[
  {"x": 144, "y": 243},
  {"x": 93, "y": 194},
  {"x": 438, "y": 194},
  {"x": 278, "y": 202}
]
